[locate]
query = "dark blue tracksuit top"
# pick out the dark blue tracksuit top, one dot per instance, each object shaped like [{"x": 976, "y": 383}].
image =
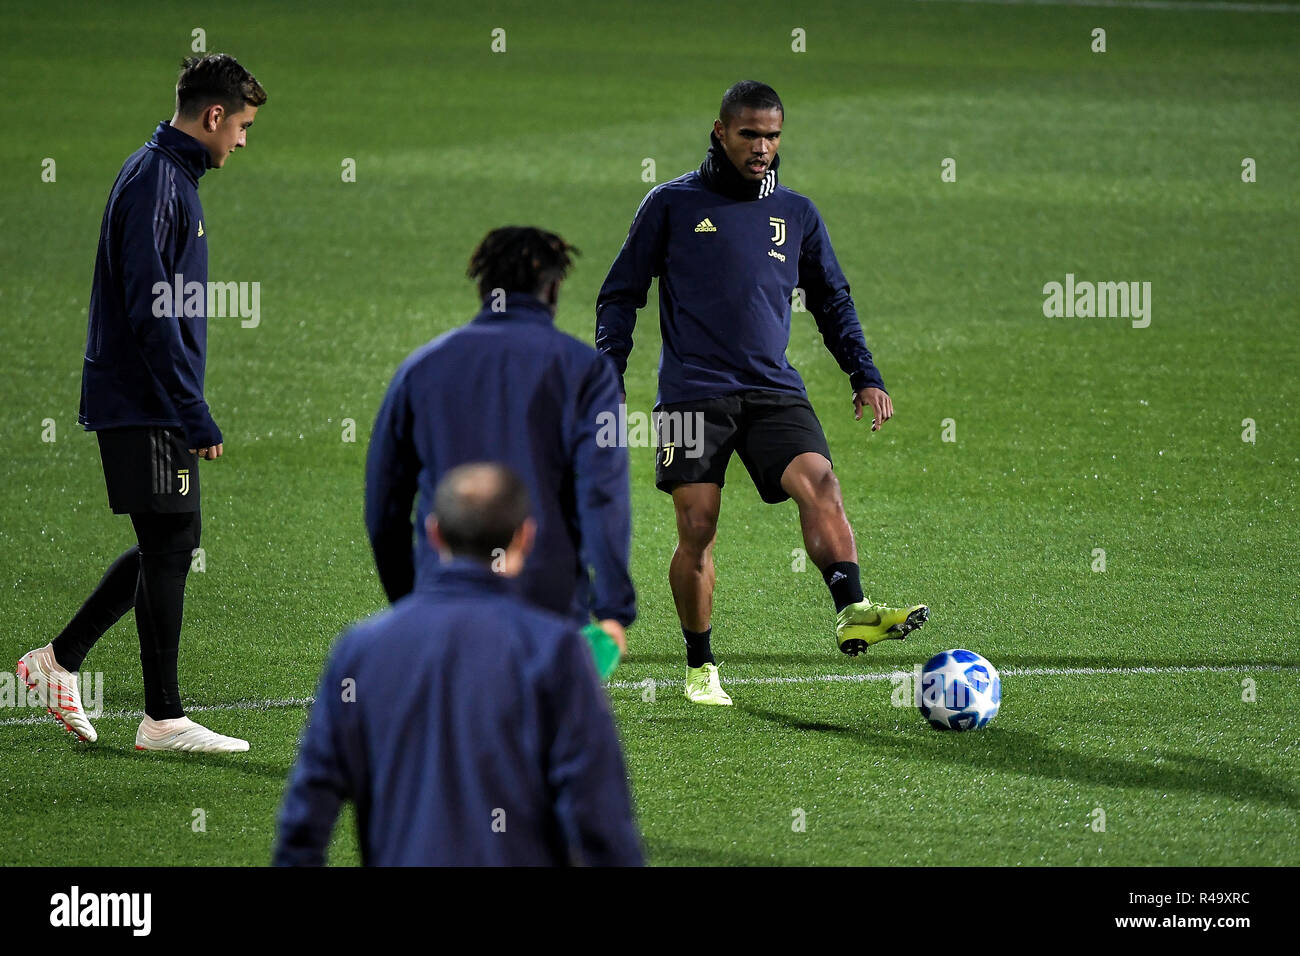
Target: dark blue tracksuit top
[
  {"x": 729, "y": 255},
  {"x": 512, "y": 388},
  {"x": 468, "y": 727},
  {"x": 145, "y": 360}
]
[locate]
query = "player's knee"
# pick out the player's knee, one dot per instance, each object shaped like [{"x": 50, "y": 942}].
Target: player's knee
[
  {"x": 165, "y": 564},
  {"x": 696, "y": 529},
  {"x": 828, "y": 490},
  {"x": 819, "y": 489}
]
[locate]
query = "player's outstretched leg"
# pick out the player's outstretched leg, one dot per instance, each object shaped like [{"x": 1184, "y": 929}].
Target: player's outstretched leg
[
  {"x": 56, "y": 686},
  {"x": 58, "y": 690},
  {"x": 827, "y": 535},
  {"x": 107, "y": 604},
  {"x": 859, "y": 625},
  {"x": 691, "y": 576}
]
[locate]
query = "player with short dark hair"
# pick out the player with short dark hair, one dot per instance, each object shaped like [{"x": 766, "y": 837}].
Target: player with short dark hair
[
  {"x": 730, "y": 245},
  {"x": 520, "y": 259},
  {"x": 465, "y": 723},
  {"x": 216, "y": 79},
  {"x": 142, "y": 394}
]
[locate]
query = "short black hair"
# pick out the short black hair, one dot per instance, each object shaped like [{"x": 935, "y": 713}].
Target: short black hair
[
  {"x": 749, "y": 94},
  {"x": 519, "y": 259},
  {"x": 215, "y": 78},
  {"x": 479, "y": 507}
]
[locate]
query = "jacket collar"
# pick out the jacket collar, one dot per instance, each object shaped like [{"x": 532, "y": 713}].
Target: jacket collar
[
  {"x": 518, "y": 305},
  {"x": 721, "y": 176},
  {"x": 184, "y": 150},
  {"x": 463, "y": 575}
]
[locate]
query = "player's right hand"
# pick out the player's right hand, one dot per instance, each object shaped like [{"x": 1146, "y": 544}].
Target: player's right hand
[{"x": 210, "y": 453}]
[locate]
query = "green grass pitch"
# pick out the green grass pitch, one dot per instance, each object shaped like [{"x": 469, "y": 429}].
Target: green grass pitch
[{"x": 1160, "y": 691}]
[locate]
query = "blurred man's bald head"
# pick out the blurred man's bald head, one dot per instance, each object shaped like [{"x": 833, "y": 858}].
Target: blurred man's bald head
[{"x": 479, "y": 508}]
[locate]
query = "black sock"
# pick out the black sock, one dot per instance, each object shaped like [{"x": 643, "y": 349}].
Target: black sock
[
  {"x": 843, "y": 578},
  {"x": 159, "y": 607},
  {"x": 112, "y": 597},
  {"x": 698, "y": 652},
  {"x": 166, "y": 542}
]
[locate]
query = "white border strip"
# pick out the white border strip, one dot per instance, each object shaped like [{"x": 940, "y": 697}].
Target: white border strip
[
  {"x": 1212, "y": 6},
  {"x": 287, "y": 702},
  {"x": 1002, "y": 672},
  {"x": 40, "y": 718}
]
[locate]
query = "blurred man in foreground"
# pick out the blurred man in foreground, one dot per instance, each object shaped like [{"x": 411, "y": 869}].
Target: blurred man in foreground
[{"x": 465, "y": 723}]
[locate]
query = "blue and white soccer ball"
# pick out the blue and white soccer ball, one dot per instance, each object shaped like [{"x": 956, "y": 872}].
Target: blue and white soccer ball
[{"x": 959, "y": 691}]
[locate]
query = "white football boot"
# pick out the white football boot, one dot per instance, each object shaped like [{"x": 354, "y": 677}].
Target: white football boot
[
  {"x": 57, "y": 689},
  {"x": 181, "y": 733}
]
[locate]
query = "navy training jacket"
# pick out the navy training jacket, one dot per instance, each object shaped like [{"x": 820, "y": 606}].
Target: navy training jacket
[
  {"x": 468, "y": 727},
  {"x": 509, "y": 387},
  {"x": 729, "y": 254},
  {"x": 145, "y": 359}
]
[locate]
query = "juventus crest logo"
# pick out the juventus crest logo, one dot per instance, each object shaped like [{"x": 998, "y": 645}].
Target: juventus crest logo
[
  {"x": 668, "y": 454},
  {"x": 778, "y": 230},
  {"x": 184, "y": 475}
]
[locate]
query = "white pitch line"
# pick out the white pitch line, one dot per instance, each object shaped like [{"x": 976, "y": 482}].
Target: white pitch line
[
  {"x": 41, "y": 718},
  {"x": 1213, "y": 6},
  {"x": 286, "y": 702},
  {"x": 1002, "y": 672}
]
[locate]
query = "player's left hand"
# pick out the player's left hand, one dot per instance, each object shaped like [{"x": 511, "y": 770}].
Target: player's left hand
[
  {"x": 881, "y": 405},
  {"x": 618, "y": 633}
]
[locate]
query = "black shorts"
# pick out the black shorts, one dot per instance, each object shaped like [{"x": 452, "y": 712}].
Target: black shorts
[
  {"x": 149, "y": 470},
  {"x": 769, "y": 429}
]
